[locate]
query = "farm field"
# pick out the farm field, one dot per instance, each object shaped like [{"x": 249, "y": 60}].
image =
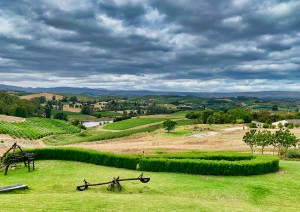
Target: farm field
[
  {"x": 185, "y": 137},
  {"x": 74, "y": 115},
  {"x": 94, "y": 134},
  {"x": 130, "y": 123},
  {"x": 35, "y": 128},
  {"x": 37, "y": 95},
  {"x": 54, "y": 184}
]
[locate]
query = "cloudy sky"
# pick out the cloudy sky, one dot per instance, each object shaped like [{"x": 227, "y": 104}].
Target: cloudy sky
[{"x": 182, "y": 45}]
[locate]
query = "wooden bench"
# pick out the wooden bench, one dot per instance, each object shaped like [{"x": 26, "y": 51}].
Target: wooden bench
[{"x": 13, "y": 187}]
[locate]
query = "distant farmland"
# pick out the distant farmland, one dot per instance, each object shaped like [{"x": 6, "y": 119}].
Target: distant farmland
[{"x": 48, "y": 96}]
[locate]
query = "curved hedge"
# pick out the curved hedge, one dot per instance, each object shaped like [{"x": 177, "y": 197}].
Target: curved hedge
[{"x": 192, "y": 163}]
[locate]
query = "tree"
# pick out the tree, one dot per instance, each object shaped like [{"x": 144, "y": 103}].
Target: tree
[
  {"x": 205, "y": 114},
  {"x": 286, "y": 139},
  {"x": 87, "y": 110},
  {"x": 61, "y": 116},
  {"x": 73, "y": 99},
  {"x": 250, "y": 139},
  {"x": 47, "y": 111},
  {"x": 42, "y": 99},
  {"x": 193, "y": 115},
  {"x": 169, "y": 125},
  {"x": 275, "y": 107},
  {"x": 216, "y": 118},
  {"x": 264, "y": 139}
]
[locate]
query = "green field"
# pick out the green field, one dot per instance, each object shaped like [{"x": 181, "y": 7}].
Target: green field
[
  {"x": 93, "y": 134},
  {"x": 35, "y": 128},
  {"x": 130, "y": 123},
  {"x": 52, "y": 187}
]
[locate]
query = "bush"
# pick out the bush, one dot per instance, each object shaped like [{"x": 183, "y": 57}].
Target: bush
[
  {"x": 293, "y": 153},
  {"x": 265, "y": 125},
  {"x": 252, "y": 125},
  {"x": 193, "y": 163}
]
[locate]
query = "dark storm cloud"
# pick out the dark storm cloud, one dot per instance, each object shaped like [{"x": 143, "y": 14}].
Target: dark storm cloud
[{"x": 151, "y": 44}]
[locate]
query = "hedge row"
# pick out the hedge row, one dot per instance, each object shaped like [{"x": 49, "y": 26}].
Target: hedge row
[
  {"x": 211, "y": 167},
  {"x": 206, "y": 156},
  {"x": 87, "y": 156},
  {"x": 203, "y": 165}
]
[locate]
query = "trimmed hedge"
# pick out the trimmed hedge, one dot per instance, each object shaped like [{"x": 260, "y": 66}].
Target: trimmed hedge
[
  {"x": 193, "y": 163},
  {"x": 258, "y": 165},
  {"x": 87, "y": 156}
]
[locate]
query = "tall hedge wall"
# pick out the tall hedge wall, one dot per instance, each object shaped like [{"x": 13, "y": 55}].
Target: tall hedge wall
[{"x": 195, "y": 163}]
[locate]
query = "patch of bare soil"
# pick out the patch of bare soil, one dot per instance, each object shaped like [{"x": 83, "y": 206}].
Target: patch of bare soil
[{"x": 11, "y": 118}]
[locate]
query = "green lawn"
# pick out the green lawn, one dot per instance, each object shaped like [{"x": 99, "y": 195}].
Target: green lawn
[
  {"x": 52, "y": 187},
  {"x": 130, "y": 123}
]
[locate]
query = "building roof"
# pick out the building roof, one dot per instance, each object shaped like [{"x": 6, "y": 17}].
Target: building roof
[
  {"x": 295, "y": 121},
  {"x": 256, "y": 122}
]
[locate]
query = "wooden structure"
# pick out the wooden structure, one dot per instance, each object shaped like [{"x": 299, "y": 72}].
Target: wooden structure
[
  {"x": 11, "y": 157},
  {"x": 114, "y": 183},
  {"x": 13, "y": 187}
]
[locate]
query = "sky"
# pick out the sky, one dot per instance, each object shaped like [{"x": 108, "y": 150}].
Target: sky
[{"x": 159, "y": 45}]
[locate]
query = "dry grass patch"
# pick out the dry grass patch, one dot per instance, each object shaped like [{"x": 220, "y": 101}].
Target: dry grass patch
[
  {"x": 11, "y": 118},
  {"x": 47, "y": 95}
]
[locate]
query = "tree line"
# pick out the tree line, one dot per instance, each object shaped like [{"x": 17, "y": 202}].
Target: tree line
[
  {"x": 280, "y": 139},
  {"x": 14, "y": 106},
  {"x": 238, "y": 115},
  {"x": 209, "y": 116}
]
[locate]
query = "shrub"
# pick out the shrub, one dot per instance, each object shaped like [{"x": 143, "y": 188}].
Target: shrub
[
  {"x": 265, "y": 125},
  {"x": 293, "y": 153},
  {"x": 252, "y": 125}
]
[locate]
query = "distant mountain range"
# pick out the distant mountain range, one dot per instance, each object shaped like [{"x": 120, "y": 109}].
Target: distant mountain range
[{"x": 95, "y": 92}]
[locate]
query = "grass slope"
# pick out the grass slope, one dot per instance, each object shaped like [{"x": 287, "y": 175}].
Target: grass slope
[
  {"x": 130, "y": 123},
  {"x": 52, "y": 187},
  {"x": 93, "y": 134}
]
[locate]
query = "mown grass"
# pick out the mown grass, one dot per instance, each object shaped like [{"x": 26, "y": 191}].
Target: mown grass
[
  {"x": 52, "y": 187},
  {"x": 93, "y": 134},
  {"x": 130, "y": 123}
]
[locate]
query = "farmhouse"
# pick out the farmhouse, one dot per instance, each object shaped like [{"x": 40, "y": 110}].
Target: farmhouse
[
  {"x": 100, "y": 105},
  {"x": 287, "y": 121}
]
